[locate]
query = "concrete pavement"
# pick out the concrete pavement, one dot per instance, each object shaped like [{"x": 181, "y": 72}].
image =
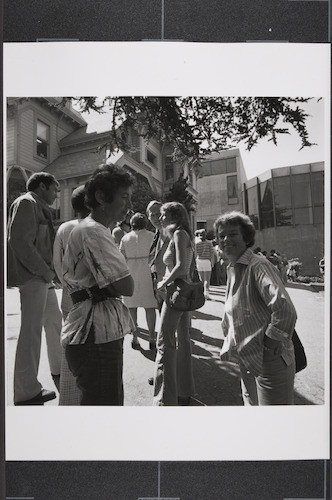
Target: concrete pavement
[{"x": 217, "y": 382}]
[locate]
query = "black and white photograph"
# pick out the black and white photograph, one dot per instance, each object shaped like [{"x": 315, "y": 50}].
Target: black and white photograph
[
  {"x": 167, "y": 244},
  {"x": 181, "y": 178}
]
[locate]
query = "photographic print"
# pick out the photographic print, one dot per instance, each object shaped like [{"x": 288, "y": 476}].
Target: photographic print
[{"x": 205, "y": 139}]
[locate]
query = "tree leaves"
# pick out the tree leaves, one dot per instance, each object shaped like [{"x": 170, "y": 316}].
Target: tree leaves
[{"x": 198, "y": 126}]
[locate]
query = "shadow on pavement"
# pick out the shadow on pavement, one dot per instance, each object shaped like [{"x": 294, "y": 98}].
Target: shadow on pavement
[
  {"x": 147, "y": 353},
  {"x": 201, "y": 315},
  {"x": 199, "y": 336},
  {"x": 217, "y": 384},
  {"x": 301, "y": 400}
]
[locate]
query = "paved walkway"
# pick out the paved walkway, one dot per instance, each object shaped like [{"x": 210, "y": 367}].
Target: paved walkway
[{"x": 217, "y": 383}]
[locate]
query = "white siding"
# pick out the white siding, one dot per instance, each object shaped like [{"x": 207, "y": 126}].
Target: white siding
[{"x": 11, "y": 142}]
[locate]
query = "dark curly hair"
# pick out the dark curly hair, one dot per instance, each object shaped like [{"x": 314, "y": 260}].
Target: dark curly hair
[
  {"x": 238, "y": 219},
  {"x": 107, "y": 179},
  {"x": 38, "y": 178},
  {"x": 138, "y": 221}
]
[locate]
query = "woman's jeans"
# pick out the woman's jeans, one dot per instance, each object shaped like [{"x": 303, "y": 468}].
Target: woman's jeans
[
  {"x": 98, "y": 371},
  {"x": 274, "y": 386},
  {"x": 174, "y": 373}
]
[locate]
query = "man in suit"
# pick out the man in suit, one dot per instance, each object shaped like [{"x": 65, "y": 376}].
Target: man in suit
[
  {"x": 30, "y": 267},
  {"x": 158, "y": 247}
]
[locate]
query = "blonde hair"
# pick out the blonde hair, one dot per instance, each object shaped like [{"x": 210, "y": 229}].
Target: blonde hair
[{"x": 179, "y": 216}]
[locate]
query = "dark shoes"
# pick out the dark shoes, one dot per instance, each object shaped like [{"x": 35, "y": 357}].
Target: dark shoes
[
  {"x": 40, "y": 399},
  {"x": 150, "y": 381}
]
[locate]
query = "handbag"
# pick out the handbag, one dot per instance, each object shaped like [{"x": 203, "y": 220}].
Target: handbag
[
  {"x": 183, "y": 295},
  {"x": 300, "y": 356}
]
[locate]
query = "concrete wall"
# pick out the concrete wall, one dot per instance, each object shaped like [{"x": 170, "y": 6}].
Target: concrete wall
[
  {"x": 304, "y": 241},
  {"x": 212, "y": 192}
]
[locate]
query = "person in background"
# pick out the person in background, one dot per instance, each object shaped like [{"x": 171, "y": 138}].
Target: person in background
[
  {"x": 121, "y": 228},
  {"x": 135, "y": 247},
  {"x": 283, "y": 268},
  {"x": 30, "y": 267},
  {"x": 96, "y": 274},
  {"x": 69, "y": 392},
  {"x": 204, "y": 259},
  {"x": 259, "y": 317},
  {"x": 258, "y": 251},
  {"x": 61, "y": 240},
  {"x": 216, "y": 273},
  {"x": 173, "y": 381},
  {"x": 158, "y": 247}
]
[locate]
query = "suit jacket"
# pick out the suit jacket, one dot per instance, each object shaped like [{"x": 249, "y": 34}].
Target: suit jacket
[
  {"x": 156, "y": 255},
  {"x": 30, "y": 240}
]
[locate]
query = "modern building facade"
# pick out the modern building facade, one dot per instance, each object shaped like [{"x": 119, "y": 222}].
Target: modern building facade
[
  {"x": 43, "y": 135},
  {"x": 219, "y": 187},
  {"x": 287, "y": 207},
  {"x": 285, "y": 204}
]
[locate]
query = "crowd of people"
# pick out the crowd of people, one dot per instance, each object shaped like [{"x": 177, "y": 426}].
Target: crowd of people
[{"x": 109, "y": 264}]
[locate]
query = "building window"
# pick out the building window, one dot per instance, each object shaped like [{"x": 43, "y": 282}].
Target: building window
[
  {"x": 318, "y": 215},
  {"x": 266, "y": 197},
  {"x": 283, "y": 201},
  {"x": 151, "y": 158},
  {"x": 42, "y": 140},
  {"x": 232, "y": 190},
  {"x": 230, "y": 165},
  {"x": 317, "y": 193},
  {"x": 169, "y": 168},
  {"x": 302, "y": 199},
  {"x": 253, "y": 205}
]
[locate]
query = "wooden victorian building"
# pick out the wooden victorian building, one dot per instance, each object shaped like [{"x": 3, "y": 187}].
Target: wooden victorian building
[{"x": 44, "y": 135}]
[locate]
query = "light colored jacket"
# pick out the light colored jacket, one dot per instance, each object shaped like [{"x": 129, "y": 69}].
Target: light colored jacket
[
  {"x": 30, "y": 240},
  {"x": 260, "y": 306}
]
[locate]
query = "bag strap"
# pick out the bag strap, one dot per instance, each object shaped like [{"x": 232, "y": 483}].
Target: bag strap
[{"x": 193, "y": 273}]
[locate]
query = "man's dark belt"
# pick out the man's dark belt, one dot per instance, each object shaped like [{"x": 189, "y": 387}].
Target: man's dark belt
[{"x": 94, "y": 293}]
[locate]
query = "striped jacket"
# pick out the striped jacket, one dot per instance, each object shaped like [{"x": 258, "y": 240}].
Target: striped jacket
[{"x": 261, "y": 306}]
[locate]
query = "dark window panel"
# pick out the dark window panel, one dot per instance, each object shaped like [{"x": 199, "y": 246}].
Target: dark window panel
[
  {"x": 317, "y": 183},
  {"x": 230, "y": 165},
  {"x": 266, "y": 195},
  {"x": 282, "y": 192},
  {"x": 267, "y": 219},
  {"x": 284, "y": 217},
  {"x": 232, "y": 193},
  {"x": 252, "y": 201},
  {"x": 318, "y": 215},
  {"x": 301, "y": 190},
  {"x": 218, "y": 167},
  {"x": 303, "y": 215},
  {"x": 254, "y": 220}
]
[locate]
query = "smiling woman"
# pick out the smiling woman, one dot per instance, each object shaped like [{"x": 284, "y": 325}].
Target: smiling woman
[
  {"x": 259, "y": 317},
  {"x": 96, "y": 274}
]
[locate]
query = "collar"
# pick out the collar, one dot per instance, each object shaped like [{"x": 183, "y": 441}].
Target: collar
[
  {"x": 39, "y": 199},
  {"x": 244, "y": 259}
]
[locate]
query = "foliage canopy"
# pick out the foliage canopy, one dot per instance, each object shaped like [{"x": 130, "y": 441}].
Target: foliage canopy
[{"x": 198, "y": 126}]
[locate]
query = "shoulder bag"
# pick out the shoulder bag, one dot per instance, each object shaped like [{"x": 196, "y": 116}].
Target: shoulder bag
[
  {"x": 184, "y": 295},
  {"x": 300, "y": 357}
]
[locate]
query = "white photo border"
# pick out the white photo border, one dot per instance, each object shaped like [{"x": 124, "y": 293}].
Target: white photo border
[{"x": 156, "y": 68}]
